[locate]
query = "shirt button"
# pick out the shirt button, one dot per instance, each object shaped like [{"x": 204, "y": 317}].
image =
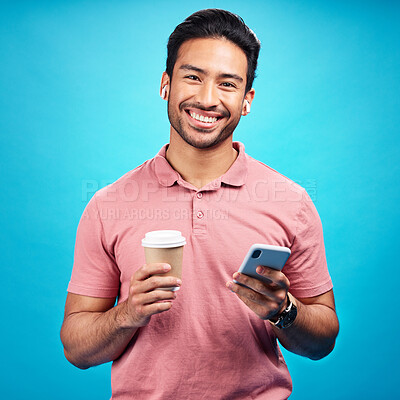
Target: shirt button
[
  {"x": 199, "y": 195},
  {"x": 200, "y": 214}
]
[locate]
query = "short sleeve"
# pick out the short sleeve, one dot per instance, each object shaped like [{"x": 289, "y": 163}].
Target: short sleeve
[
  {"x": 306, "y": 268},
  {"x": 95, "y": 272}
]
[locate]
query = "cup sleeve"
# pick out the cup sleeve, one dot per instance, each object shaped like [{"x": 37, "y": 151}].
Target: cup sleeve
[
  {"x": 95, "y": 272},
  {"x": 307, "y": 268}
]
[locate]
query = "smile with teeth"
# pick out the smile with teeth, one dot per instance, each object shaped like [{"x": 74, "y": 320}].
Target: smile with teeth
[{"x": 202, "y": 118}]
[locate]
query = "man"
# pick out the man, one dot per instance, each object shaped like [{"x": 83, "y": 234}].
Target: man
[{"x": 203, "y": 341}]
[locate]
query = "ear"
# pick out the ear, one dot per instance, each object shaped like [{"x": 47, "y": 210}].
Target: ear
[
  {"x": 248, "y": 99},
  {"x": 164, "y": 87}
]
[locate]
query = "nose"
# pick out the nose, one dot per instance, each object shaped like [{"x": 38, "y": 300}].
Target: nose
[{"x": 207, "y": 95}]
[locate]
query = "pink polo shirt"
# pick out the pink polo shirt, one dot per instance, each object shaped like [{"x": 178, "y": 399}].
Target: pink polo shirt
[{"x": 209, "y": 345}]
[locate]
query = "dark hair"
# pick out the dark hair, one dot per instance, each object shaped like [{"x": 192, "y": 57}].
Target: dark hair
[{"x": 215, "y": 23}]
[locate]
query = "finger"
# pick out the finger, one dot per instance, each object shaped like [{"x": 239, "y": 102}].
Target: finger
[
  {"x": 156, "y": 308},
  {"x": 247, "y": 293},
  {"x": 150, "y": 269},
  {"x": 263, "y": 307},
  {"x": 155, "y": 282},
  {"x": 153, "y": 297},
  {"x": 252, "y": 283},
  {"x": 277, "y": 278},
  {"x": 272, "y": 292}
]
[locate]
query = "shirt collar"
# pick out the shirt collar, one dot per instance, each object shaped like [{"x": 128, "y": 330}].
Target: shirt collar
[{"x": 235, "y": 176}]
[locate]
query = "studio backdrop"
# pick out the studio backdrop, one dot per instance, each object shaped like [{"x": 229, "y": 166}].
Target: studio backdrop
[{"x": 80, "y": 106}]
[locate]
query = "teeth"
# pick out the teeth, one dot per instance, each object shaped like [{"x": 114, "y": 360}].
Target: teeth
[{"x": 202, "y": 118}]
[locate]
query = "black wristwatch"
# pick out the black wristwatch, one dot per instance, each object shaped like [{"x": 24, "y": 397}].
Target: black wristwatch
[{"x": 287, "y": 316}]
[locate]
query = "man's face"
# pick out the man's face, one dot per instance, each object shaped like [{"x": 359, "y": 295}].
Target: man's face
[{"x": 206, "y": 95}]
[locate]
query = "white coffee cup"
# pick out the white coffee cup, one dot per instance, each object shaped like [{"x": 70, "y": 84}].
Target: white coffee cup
[{"x": 165, "y": 246}]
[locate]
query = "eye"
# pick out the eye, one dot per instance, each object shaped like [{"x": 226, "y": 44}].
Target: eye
[
  {"x": 192, "y": 77},
  {"x": 228, "y": 85}
]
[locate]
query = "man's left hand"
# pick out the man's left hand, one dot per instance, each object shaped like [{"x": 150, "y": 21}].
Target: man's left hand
[{"x": 267, "y": 300}]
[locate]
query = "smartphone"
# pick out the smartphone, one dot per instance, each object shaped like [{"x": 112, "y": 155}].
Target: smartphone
[{"x": 263, "y": 254}]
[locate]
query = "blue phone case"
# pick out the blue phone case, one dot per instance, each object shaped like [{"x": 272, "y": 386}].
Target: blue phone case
[{"x": 263, "y": 254}]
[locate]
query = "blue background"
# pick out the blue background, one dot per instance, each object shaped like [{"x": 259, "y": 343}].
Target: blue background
[{"x": 79, "y": 107}]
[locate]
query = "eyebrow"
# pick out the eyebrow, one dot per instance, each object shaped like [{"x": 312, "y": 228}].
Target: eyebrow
[{"x": 189, "y": 67}]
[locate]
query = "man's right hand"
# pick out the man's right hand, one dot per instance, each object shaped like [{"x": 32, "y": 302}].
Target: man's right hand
[
  {"x": 95, "y": 332},
  {"x": 145, "y": 298}
]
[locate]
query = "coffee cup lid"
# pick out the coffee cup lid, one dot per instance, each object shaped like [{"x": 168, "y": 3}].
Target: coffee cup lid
[{"x": 163, "y": 239}]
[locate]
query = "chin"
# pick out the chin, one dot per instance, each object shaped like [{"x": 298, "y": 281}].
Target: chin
[{"x": 207, "y": 143}]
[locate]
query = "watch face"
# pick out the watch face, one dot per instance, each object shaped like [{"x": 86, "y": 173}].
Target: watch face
[{"x": 289, "y": 318}]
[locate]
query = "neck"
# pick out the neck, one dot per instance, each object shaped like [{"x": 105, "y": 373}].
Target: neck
[{"x": 200, "y": 166}]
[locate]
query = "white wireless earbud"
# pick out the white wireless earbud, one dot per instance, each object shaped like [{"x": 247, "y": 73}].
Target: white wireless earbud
[
  {"x": 247, "y": 106},
  {"x": 164, "y": 92}
]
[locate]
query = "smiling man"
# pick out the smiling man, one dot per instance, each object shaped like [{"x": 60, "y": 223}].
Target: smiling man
[
  {"x": 206, "y": 99},
  {"x": 215, "y": 338}
]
